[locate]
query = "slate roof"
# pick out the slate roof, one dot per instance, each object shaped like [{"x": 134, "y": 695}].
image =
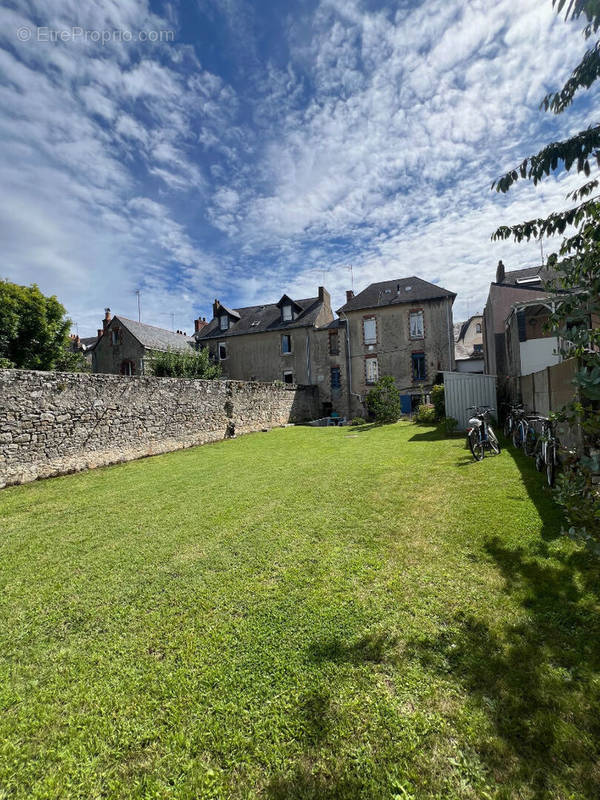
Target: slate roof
[
  {"x": 513, "y": 277},
  {"x": 156, "y": 338},
  {"x": 389, "y": 293},
  {"x": 260, "y": 319},
  {"x": 89, "y": 342},
  {"x": 461, "y": 328}
]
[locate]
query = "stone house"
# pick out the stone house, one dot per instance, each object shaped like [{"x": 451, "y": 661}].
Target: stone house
[
  {"x": 124, "y": 346},
  {"x": 293, "y": 341},
  {"x": 468, "y": 345},
  {"x": 512, "y": 287},
  {"x": 401, "y": 327}
]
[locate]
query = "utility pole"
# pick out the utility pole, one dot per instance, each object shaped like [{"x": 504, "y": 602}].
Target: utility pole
[{"x": 139, "y": 301}]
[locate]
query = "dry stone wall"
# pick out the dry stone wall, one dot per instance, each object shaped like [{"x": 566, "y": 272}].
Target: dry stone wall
[{"x": 53, "y": 423}]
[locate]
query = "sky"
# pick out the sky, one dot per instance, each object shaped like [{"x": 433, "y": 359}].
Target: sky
[{"x": 242, "y": 150}]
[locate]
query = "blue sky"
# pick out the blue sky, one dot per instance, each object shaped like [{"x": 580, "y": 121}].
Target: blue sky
[{"x": 269, "y": 146}]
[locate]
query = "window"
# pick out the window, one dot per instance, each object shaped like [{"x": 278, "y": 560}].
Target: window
[
  {"x": 114, "y": 337},
  {"x": 224, "y": 322},
  {"x": 417, "y": 330},
  {"x": 286, "y": 313},
  {"x": 127, "y": 368},
  {"x": 371, "y": 370},
  {"x": 418, "y": 366},
  {"x": 336, "y": 380},
  {"x": 478, "y": 327},
  {"x": 478, "y": 348},
  {"x": 288, "y": 376},
  {"x": 370, "y": 330},
  {"x": 286, "y": 344},
  {"x": 222, "y": 351},
  {"x": 334, "y": 343}
]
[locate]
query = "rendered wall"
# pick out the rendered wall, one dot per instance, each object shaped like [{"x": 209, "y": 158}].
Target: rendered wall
[{"x": 55, "y": 422}]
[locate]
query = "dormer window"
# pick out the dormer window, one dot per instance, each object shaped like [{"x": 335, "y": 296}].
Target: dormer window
[
  {"x": 224, "y": 322},
  {"x": 288, "y": 309},
  {"x": 286, "y": 313}
]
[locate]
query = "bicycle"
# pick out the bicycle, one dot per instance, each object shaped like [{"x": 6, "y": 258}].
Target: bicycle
[
  {"x": 546, "y": 451},
  {"x": 511, "y": 419},
  {"x": 480, "y": 434},
  {"x": 531, "y": 438}
]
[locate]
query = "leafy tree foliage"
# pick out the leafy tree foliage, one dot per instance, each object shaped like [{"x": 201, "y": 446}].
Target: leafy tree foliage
[
  {"x": 576, "y": 265},
  {"x": 178, "y": 364},
  {"x": 383, "y": 401},
  {"x": 34, "y": 330}
]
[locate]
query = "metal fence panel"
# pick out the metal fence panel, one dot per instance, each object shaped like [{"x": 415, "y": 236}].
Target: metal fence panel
[{"x": 462, "y": 389}]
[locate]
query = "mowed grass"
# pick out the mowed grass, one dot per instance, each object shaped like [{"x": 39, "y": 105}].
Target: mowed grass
[{"x": 308, "y": 613}]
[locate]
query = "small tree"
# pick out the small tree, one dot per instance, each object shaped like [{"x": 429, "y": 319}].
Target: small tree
[
  {"x": 438, "y": 400},
  {"x": 383, "y": 401},
  {"x": 183, "y": 364},
  {"x": 34, "y": 330}
]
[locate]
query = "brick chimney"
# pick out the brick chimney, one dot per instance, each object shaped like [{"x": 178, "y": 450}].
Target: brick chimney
[
  {"x": 199, "y": 324},
  {"x": 500, "y": 273},
  {"x": 106, "y": 320},
  {"x": 216, "y": 307},
  {"x": 349, "y": 295}
]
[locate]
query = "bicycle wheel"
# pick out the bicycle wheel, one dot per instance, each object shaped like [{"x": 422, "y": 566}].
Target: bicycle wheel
[
  {"x": 550, "y": 466},
  {"x": 476, "y": 446},
  {"x": 507, "y": 428},
  {"x": 529, "y": 441},
  {"x": 539, "y": 457},
  {"x": 517, "y": 436},
  {"x": 493, "y": 440}
]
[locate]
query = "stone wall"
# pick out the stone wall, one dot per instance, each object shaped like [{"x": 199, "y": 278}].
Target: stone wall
[{"x": 52, "y": 423}]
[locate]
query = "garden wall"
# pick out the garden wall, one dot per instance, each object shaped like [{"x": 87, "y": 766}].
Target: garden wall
[{"x": 52, "y": 423}]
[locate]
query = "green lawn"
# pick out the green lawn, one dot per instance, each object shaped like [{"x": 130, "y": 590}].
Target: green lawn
[{"x": 308, "y": 613}]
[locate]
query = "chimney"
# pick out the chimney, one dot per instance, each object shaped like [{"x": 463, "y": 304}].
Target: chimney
[
  {"x": 500, "y": 273},
  {"x": 324, "y": 295},
  {"x": 100, "y": 332},
  {"x": 106, "y": 320},
  {"x": 349, "y": 295},
  {"x": 216, "y": 307}
]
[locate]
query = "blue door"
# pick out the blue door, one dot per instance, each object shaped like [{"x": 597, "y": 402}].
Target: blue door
[{"x": 405, "y": 403}]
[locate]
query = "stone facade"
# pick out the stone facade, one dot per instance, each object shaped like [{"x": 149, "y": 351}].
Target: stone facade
[
  {"x": 53, "y": 423},
  {"x": 392, "y": 346}
]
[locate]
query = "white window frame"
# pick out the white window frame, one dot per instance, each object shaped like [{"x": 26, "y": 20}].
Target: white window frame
[
  {"x": 371, "y": 370},
  {"x": 286, "y": 313},
  {"x": 290, "y": 373},
  {"x": 219, "y": 346},
  {"x": 417, "y": 324},
  {"x": 224, "y": 322},
  {"x": 371, "y": 338}
]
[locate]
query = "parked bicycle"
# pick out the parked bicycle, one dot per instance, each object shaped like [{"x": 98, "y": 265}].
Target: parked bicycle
[
  {"x": 512, "y": 420},
  {"x": 546, "y": 450},
  {"x": 533, "y": 424},
  {"x": 480, "y": 434}
]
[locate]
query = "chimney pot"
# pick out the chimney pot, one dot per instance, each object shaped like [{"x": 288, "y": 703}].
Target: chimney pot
[
  {"x": 349, "y": 295},
  {"x": 106, "y": 319},
  {"x": 500, "y": 272}
]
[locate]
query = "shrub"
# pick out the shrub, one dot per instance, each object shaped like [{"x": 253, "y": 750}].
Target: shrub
[
  {"x": 181, "y": 364},
  {"x": 358, "y": 421},
  {"x": 383, "y": 401},
  {"x": 450, "y": 425},
  {"x": 425, "y": 414},
  {"x": 438, "y": 400}
]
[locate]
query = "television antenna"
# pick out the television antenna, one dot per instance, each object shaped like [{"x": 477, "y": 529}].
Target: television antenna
[{"x": 139, "y": 302}]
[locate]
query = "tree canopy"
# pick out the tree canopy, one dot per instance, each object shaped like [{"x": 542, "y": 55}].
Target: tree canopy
[
  {"x": 34, "y": 330},
  {"x": 576, "y": 269}
]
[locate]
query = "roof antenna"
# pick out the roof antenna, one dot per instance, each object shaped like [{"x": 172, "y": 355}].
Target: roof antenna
[
  {"x": 351, "y": 276},
  {"x": 542, "y": 249},
  {"x": 139, "y": 299}
]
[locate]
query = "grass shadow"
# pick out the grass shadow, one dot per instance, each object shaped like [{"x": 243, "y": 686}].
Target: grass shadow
[
  {"x": 431, "y": 435},
  {"x": 373, "y": 647},
  {"x": 539, "y": 492},
  {"x": 535, "y": 680}
]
